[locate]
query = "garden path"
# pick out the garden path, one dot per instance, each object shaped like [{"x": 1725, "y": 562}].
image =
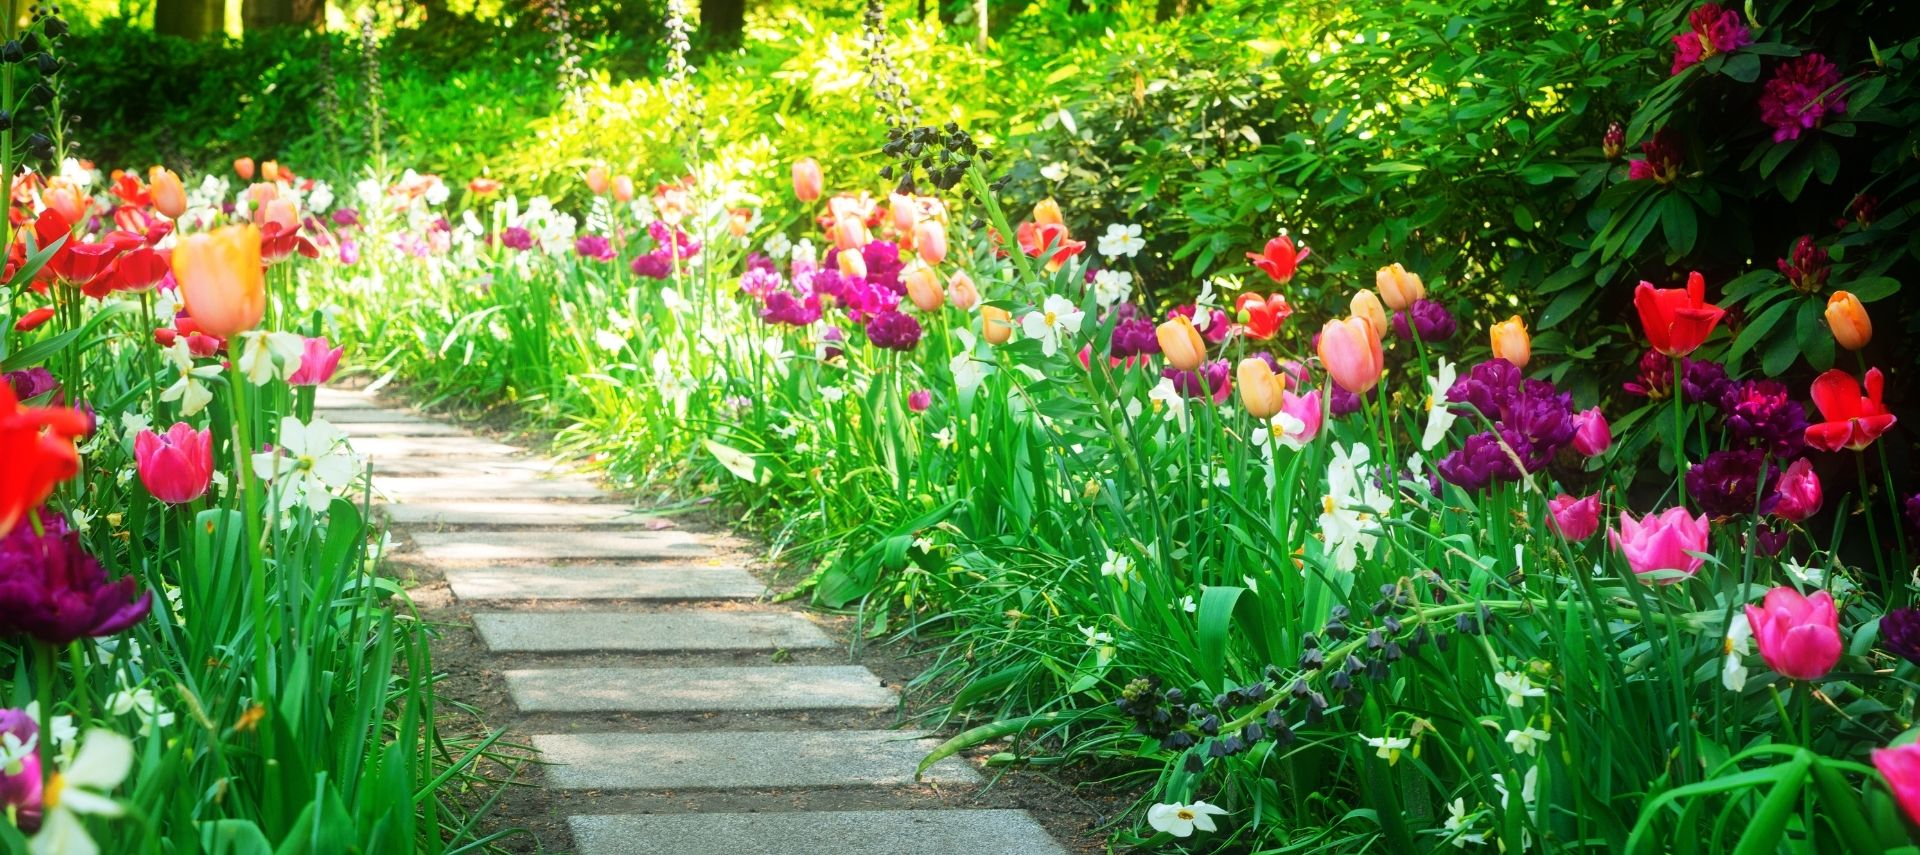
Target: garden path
[{"x": 682, "y": 713}]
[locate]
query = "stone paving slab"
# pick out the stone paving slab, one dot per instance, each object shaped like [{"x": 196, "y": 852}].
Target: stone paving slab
[
  {"x": 568, "y": 514},
  {"x": 605, "y": 583},
  {"x": 698, "y": 690},
  {"x": 507, "y": 484},
  {"x": 646, "y": 632},
  {"x": 512, "y": 467},
  {"x": 865, "y": 832},
  {"x": 498, "y": 547},
  {"x": 734, "y": 759},
  {"x": 357, "y": 430},
  {"x": 358, "y": 416},
  {"x": 335, "y": 399},
  {"x": 449, "y": 446}
]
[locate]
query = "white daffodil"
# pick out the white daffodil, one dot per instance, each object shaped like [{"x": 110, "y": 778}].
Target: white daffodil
[
  {"x": 315, "y": 462},
  {"x": 1055, "y": 171},
  {"x": 1112, "y": 286},
  {"x": 1351, "y": 509},
  {"x": 1057, "y": 318},
  {"x": 1529, "y": 786},
  {"x": 1527, "y": 740},
  {"x": 804, "y": 252},
  {"x": 1180, "y": 820},
  {"x": 81, "y": 789},
  {"x": 143, "y": 704},
  {"x": 1168, "y": 400},
  {"x": 944, "y": 436},
  {"x": 269, "y": 356},
  {"x": 1122, "y": 239},
  {"x": 1117, "y": 565},
  {"x": 968, "y": 372},
  {"x": 1439, "y": 417},
  {"x": 1095, "y": 637},
  {"x": 1222, "y": 477},
  {"x": 1187, "y": 604},
  {"x": 609, "y": 341},
  {"x": 1388, "y": 748},
  {"x": 832, "y": 394},
  {"x": 1459, "y": 826},
  {"x": 1518, "y": 688},
  {"x": 777, "y": 247},
  {"x": 190, "y": 389},
  {"x": 1733, "y": 670},
  {"x": 1280, "y": 429}
]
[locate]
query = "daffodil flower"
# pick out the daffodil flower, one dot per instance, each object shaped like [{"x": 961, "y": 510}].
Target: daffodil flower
[
  {"x": 1057, "y": 318},
  {"x": 315, "y": 463},
  {"x": 81, "y": 790},
  {"x": 1180, "y": 820},
  {"x": 190, "y": 389},
  {"x": 1439, "y": 417}
]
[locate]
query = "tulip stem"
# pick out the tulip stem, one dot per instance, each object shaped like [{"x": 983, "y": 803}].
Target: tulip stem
[
  {"x": 1679, "y": 433},
  {"x": 1873, "y": 528},
  {"x": 256, "y": 558},
  {"x": 44, "y": 663}
]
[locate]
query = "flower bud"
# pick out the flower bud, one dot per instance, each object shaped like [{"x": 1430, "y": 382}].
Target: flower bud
[
  {"x": 243, "y": 167},
  {"x": 996, "y": 324},
  {"x": 169, "y": 197},
  {"x": 923, "y": 288},
  {"x": 1180, "y": 343},
  {"x": 1365, "y": 304},
  {"x": 1398, "y": 288},
  {"x": 597, "y": 180},
  {"x": 961, "y": 291},
  {"x": 1848, "y": 320},
  {"x": 1260, "y": 390},
  {"x": 1511, "y": 342},
  {"x": 807, "y": 179},
  {"x": 622, "y": 188},
  {"x": 930, "y": 240}
]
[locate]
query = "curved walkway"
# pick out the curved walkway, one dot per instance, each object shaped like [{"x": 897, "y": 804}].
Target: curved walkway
[{"x": 681, "y": 712}]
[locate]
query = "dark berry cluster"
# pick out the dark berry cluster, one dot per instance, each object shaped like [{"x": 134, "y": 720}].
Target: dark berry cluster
[
  {"x": 33, "y": 53},
  {"x": 942, "y": 155},
  {"x": 896, "y": 106}
]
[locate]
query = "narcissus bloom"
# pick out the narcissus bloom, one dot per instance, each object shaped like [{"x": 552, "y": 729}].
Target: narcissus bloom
[
  {"x": 1279, "y": 259},
  {"x": 1351, "y": 354},
  {"x": 1677, "y": 320},
  {"x": 1850, "y": 419},
  {"x": 1511, "y": 342},
  {"x": 37, "y": 445},
  {"x": 1180, "y": 820},
  {"x": 1662, "y": 543},
  {"x": 1852, "y": 329},
  {"x": 221, "y": 279},
  {"x": 1798, "y": 636},
  {"x": 176, "y": 466}
]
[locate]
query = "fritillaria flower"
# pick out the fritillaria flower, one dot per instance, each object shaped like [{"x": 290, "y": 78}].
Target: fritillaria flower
[{"x": 51, "y": 589}]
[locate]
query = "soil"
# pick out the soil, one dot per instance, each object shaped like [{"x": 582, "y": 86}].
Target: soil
[{"x": 1075, "y": 808}]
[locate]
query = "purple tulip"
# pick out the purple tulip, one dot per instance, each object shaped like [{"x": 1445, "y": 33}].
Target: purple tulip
[
  {"x": 53, "y": 590},
  {"x": 1429, "y": 318}
]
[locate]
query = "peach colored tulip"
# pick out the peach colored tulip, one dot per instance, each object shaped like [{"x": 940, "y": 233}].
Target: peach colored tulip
[
  {"x": 996, "y": 324},
  {"x": 905, "y": 212},
  {"x": 1398, "y": 288},
  {"x": 1180, "y": 343},
  {"x": 243, "y": 167},
  {"x": 597, "y": 180},
  {"x": 258, "y": 195},
  {"x": 961, "y": 291},
  {"x": 282, "y": 212},
  {"x": 923, "y": 288},
  {"x": 66, "y": 200},
  {"x": 221, "y": 279},
  {"x": 1848, "y": 320},
  {"x": 807, "y": 179},
  {"x": 622, "y": 188},
  {"x": 1365, "y": 304},
  {"x": 930, "y": 240},
  {"x": 270, "y": 170},
  {"x": 1350, "y": 353},
  {"x": 852, "y": 262},
  {"x": 169, "y": 197},
  {"x": 1260, "y": 389},
  {"x": 850, "y": 234},
  {"x": 1047, "y": 213},
  {"x": 1511, "y": 342}
]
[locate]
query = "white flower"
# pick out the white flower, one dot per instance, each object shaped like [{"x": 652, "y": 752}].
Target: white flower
[
  {"x": 1439, "y": 416},
  {"x": 778, "y": 246},
  {"x": 190, "y": 389},
  {"x": 1517, "y": 687},
  {"x": 1282, "y": 428},
  {"x": 269, "y": 356},
  {"x": 1527, "y": 740},
  {"x": 320, "y": 198},
  {"x": 1733, "y": 670},
  {"x": 1529, "y": 786},
  {"x": 1122, "y": 240},
  {"x": 609, "y": 341},
  {"x": 145, "y": 704},
  {"x": 1055, "y": 171},
  {"x": 944, "y": 436},
  {"x": 832, "y": 394},
  {"x": 804, "y": 252},
  {"x": 1180, "y": 820},
  {"x": 1388, "y": 748},
  {"x": 1351, "y": 509},
  {"x": 1058, "y": 317},
  {"x": 923, "y": 544},
  {"x": 1095, "y": 637},
  {"x": 1116, "y": 565},
  {"x": 437, "y": 191},
  {"x": 1112, "y": 286},
  {"x": 1187, "y": 604},
  {"x": 1221, "y": 477},
  {"x": 1169, "y": 397},
  {"x": 1459, "y": 825},
  {"x": 315, "y": 462},
  {"x": 81, "y": 788}
]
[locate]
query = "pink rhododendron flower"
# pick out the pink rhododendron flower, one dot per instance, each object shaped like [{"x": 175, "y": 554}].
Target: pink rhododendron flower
[
  {"x": 1711, "y": 30},
  {"x": 1802, "y": 93}
]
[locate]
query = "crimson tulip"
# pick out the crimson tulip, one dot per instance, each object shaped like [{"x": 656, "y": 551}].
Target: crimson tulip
[
  {"x": 1677, "y": 320},
  {"x": 1850, "y": 420},
  {"x": 175, "y": 466},
  {"x": 1261, "y": 317},
  {"x": 1279, "y": 259}
]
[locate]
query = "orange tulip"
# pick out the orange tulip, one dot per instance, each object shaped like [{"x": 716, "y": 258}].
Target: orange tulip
[
  {"x": 1511, "y": 342},
  {"x": 807, "y": 179},
  {"x": 1398, "y": 288},
  {"x": 996, "y": 324},
  {"x": 169, "y": 197},
  {"x": 622, "y": 188},
  {"x": 66, "y": 200},
  {"x": 1848, "y": 320},
  {"x": 1350, "y": 352},
  {"x": 243, "y": 167},
  {"x": 930, "y": 240},
  {"x": 1365, "y": 305},
  {"x": 1180, "y": 343},
  {"x": 961, "y": 291},
  {"x": 923, "y": 288},
  {"x": 221, "y": 279},
  {"x": 1260, "y": 388},
  {"x": 270, "y": 170},
  {"x": 597, "y": 180},
  {"x": 1047, "y": 213},
  {"x": 852, "y": 262}
]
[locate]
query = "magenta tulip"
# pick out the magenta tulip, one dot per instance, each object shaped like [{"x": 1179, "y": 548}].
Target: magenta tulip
[
  {"x": 1655, "y": 543},
  {"x": 177, "y": 465},
  {"x": 1798, "y": 636},
  {"x": 919, "y": 400},
  {"x": 1306, "y": 408},
  {"x": 1592, "y": 436},
  {"x": 1797, "y": 496},
  {"x": 1574, "y": 519},
  {"x": 1901, "y": 767},
  {"x": 317, "y": 363}
]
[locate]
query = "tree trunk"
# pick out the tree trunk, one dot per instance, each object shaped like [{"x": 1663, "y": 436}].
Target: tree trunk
[
  {"x": 261, "y": 14},
  {"x": 311, "y": 14},
  {"x": 723, "y": 21},
  {"x": 188, "y": 19},
  {"x": 980, "y": 15},
  {"x": 1166, "y": 10}
]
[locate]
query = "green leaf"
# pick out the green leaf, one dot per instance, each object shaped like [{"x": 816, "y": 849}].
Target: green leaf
[
  {"x": 1816, "y": 341},
  {"x": 740, "y": 463},
  {"x": 1762, "y": 324},
  {"x": 1216, "y": 626},
  {"x": 1744, "y": 67},
  {"x": 1679, "y": 224},
  {"x": 1873, "y": 288}
]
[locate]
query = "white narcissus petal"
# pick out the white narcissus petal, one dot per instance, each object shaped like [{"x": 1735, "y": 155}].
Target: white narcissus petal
[
  {"x": 103, "y": 762},
  {"x": 336, "y": 470},
  {"x": 62, "y": 833}
]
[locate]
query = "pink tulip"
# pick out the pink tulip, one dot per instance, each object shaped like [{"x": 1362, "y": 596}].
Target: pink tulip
[
  {"x": 1592, "y": 436},
  {"x": 919, "y": 400},
  {"x": 1350, "y": 352},
  {"x": 317, "y": 363},
  {"x": 1901, "y": 767},
  {"x": 807, "y": 179},
  {"x": 1662, "y": 542},
  {"x": 1798, "y": 495},
  {"x": 1574, "y": 519},
  {"x": 1798, "y": 636},
  {"x": 930, "y": 239},
  {"x": 176, "y": 466}
]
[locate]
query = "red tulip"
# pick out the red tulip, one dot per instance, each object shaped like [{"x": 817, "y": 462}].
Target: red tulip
[
  {"x": 1851, "y": 420},
  {"x": 1048, "y": 240},
  {"x": 37, "y": 445},
  {"x": 1279, "y": 259},
  {"x": 1797, "y": 636},
  {"x": 176, "y": 466},
  {"x": 32, "y": 320},
  {"x": 1262, "y": 316},
  {"x": 1677, "y": 320}
]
